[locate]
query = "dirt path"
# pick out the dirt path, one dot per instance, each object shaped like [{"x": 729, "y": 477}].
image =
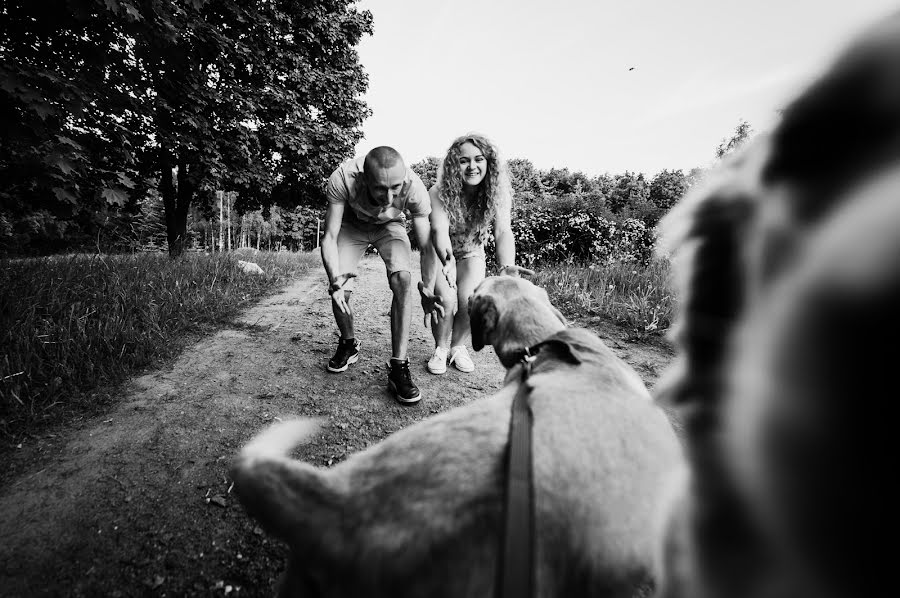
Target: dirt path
[{"x": 137, "y": 502}]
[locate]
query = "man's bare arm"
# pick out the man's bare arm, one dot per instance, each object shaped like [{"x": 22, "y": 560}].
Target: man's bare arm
[
  {"x": 334, "y": 214},
  {"x": 422, "y": 231}
]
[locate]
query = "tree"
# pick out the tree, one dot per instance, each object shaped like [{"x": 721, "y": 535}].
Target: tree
[
  {"x": 742, "y": 132},
  {"x": 628, "y": 189},
  {"x": 427, "y": 170},
  {"x": 666, "y": 188},
  {"x": 603, "y": 184},
  {"x": 557, "y": 181},
  {"x": 581, "y": 183},
  {"x": 248, "y": 95},
  {"x": 67, "y": 147},
  {"x": 189, "y": 95},
  {"x": 523, "y": 176}
]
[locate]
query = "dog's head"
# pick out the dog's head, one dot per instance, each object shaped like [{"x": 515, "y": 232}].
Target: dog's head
[
  {"x": 774, "y": 335},
  {"x": 511, "y": 314}
]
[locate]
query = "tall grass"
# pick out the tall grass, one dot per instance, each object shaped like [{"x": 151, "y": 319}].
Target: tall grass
[
  {"x": 68, "y": 324},
  {"x": 638, "y": 297}
]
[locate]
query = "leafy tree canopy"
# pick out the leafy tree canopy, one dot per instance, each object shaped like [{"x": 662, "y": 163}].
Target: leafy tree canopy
[
  {"x": 109, "y": 97},
  {"x": 742, "y": 132},
  {"x": 523, "y": 176},
  {"x": 628, "y": 189},
  {"x": 427, "y": 170},
  {"x": 666, "y": 188}
]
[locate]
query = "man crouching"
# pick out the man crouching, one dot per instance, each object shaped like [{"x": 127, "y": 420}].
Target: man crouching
[{"x": 367, "y": 197}]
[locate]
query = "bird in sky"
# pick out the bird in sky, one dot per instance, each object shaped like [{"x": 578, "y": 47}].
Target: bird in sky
[{"x": 631, "y": 69}]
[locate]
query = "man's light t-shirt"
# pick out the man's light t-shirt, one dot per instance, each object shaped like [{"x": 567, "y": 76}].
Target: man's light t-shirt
[{"x": 346, "y": 186}]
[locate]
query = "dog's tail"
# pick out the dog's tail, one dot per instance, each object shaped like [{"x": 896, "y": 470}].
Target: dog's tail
[
  {"x": 283, "y": 494},
  {"x": 279, "y": 439}
]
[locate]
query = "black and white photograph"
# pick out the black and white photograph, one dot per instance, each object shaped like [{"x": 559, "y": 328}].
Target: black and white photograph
[{"x": 425, "y": 299}]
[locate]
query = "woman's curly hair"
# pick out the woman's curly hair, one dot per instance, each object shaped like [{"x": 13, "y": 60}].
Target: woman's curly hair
[{"x": 494, "y": 191}]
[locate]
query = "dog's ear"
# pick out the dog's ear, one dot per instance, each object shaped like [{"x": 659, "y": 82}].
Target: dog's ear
[{"x": 483, "y": 320}]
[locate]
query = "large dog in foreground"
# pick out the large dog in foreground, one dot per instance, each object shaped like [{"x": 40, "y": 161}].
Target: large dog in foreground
[
  {"x": 789, "y": 262},
  {"x": 419, "y": 514}
]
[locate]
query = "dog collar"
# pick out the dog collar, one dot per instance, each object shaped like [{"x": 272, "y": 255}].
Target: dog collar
[{"x": 528, "y": 354}]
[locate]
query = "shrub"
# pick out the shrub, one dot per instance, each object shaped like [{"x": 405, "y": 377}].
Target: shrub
[{"x": 550, "y": 233}]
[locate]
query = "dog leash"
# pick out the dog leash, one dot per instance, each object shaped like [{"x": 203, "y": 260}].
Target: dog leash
[{"x": 516, "y": 563}]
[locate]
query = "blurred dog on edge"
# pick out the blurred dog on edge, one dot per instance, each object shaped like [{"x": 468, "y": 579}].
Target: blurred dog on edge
[{"x": 788, "y": 268}]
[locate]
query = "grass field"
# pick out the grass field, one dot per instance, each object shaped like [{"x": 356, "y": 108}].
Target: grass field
[
  {"x": 633, "y": 296},
  {"x": 70, "y": 324}
]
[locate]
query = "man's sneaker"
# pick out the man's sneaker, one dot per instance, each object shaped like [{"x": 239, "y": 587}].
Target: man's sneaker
[
  {"x": 438, "y": 362},
  {"x": 459, "y": 357},
  {"x": 401, "y": 384},
  {"x": 347, "y": 353}
]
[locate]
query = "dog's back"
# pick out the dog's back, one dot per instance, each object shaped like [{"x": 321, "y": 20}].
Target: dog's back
[
  {"x": 419, "y": 513},
  {"x": 602, "y": 434}
]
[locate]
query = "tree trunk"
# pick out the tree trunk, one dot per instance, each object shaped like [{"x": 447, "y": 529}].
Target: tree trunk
[
  {"x": 177, "y": 230},
  {"x": 175, "y": 204},
  {"x": 221, "y": 195},
  {"x": 167, "y": 190},
  {"x": 228, "y": 197}
]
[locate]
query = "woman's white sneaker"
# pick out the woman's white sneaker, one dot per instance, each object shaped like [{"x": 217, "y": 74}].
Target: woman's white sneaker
[
  {"x": 438, "y": 362},
  {"x": 459, "y": 357}
]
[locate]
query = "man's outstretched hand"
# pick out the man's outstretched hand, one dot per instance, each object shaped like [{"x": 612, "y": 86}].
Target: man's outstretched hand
[
  {"x": 431, "y": 305},
  {"x": 337, "y": 291}
]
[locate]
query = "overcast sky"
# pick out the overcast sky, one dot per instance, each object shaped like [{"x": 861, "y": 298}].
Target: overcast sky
[{"x": 551, "y": 81}]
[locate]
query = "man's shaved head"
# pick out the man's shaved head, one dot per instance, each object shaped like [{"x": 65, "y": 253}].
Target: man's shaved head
[
  {"x": 384, "y": 173},
  {"x": 383, "y": 157}
]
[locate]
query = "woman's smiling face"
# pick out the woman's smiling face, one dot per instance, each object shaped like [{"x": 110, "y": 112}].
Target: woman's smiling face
[{"x": 472, "y": 164}]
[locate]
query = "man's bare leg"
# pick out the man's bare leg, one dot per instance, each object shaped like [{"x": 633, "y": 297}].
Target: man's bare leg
[
  {"x": 401, "y": 313},
  {"x": 347, "y": 350},
  {"x": 344, "y": 320}
]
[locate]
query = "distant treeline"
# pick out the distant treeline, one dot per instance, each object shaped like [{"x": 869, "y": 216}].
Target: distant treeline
[
  {"x": 541, "y": 196},
  {"x": 211, "y": 125}
]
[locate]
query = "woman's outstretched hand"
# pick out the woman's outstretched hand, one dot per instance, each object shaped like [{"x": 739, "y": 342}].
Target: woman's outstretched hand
[
  {"x": 448, "y": 268},
  {"x": 513, "y": 270}
]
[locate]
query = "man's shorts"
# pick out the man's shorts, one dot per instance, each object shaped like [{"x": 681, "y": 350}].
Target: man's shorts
[{"x": 390, "y": 239}]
